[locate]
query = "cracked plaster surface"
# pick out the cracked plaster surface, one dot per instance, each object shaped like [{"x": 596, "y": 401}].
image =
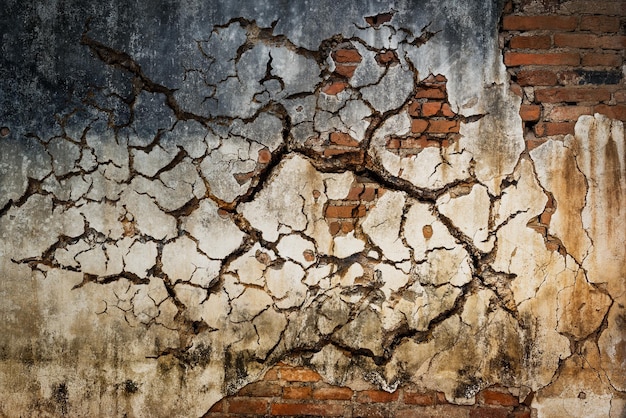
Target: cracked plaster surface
[{"x": 175, "y": 225}]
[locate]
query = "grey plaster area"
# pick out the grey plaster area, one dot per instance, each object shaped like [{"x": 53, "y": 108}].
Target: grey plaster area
[{"x": 166, "y": 195}]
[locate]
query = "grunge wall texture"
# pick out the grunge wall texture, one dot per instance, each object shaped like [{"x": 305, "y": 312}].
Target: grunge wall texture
[{"x": 312, "y": 208}]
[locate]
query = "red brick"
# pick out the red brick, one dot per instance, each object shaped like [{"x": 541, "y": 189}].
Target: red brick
[
  {"x": 413, "y": 398},
  {"x": 487, "y": 412},
  {"x": 265, "y": 156},
  {"x": 593, "y": 59},
  {"x": 600, "y": 23},
  {"x": 261, "y": 389},
  {"x": 431, "y": 93},
  {"x": 340, "y": 138},
  {"x": 350, "y": 211},
  {"x": 335, "y": 87},
  {"x": 514, "y": 59},
  {"x": 301, "y": 374},
  {"x": 218, "y": 407},
  {"x": 421, "y": 142},
  {"x": 322, "y": 410},
  {"x": 271, "y": 374},
  {"x": 620, "y": 96},
  {"x": 298, "y": 392},
  {"x": 521, "y": 414},
  {"x": 530, "y": 42},
  {"x": 530, "y": 112},
  {"x": 572, "y": 94},
  {"x": 531, "y": 144},
  {"x": 345, "y": 70},
  {"x": 516, "y": 89},
  {"x": 582, "y": 40},
  {"x": 443, "y": 126},
  {"x": 539, "y": 22},
  {"x": 615, "y": 112},
  {"x": 378, "y": 396},
  {"x": 568, "y": 113},
  {"x": 415, "y": 109},
  {"x": 335, "y": 393},
  {"x": 431, "y": 108},
  {"x": 369, "y": 194},
  {"x": 554, "y": 128},
  {"x": 347, "y": 55},
  {"x": 386, "y": 57},
  {"x": 247, "y": 406},
  {"x": 447, "y": 111},
  {"x": 536, "y": 78},
  {"x": 419, "y": 125},
  {"x": 393, "y": 143},
  {"x": 492, "y": 397}
]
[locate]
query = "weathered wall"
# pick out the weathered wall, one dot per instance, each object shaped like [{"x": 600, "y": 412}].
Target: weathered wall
[{"x": 412, "y": 207}]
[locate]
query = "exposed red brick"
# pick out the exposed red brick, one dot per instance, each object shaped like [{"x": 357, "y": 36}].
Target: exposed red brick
[
  {"x": 530, "y": 112},
  {"x": 347, "y": 55},
  {"x": 431, "y": 108},
  {"x": 516, "y": 89},
  {"x": 349, "y": 211},
  {"x": 297, "y": 392},
  {"x": 369, "y": 194},
  {"x": 322, "y": 410},
  {"x": 393, "y": 143},
  {"x": 301, "y": 374},
  {"x": 346, "y": 227},
  {"x": 435, "y": 92},
  {"x": 620, "y": 96},
  {"x": 572, "y": 94},
  {"x": 345, "y": 70},
  {"x": 536, "y": 78},
  {"x": 530, "y": 42},
  {"x": 554, "y": 128},
  {"x": 593, "y": 59},
  {"x": 343, "y": 139},
  {"x": 247, "y": 406},
  {"x": 335, "y": 87},
  {"x": 521, "y": 414},
  {"x": 262, "y": 389},
  {"x": 568, "y": 113},
  {"x": 539, "y": 22},
  {"x": 265, "y": 156},
  {"x": 514, "y": 59},
  {"x": 493, "y": 397},
  {"x": 368, "y": 396},
  {"x": 615, "y": 112},
  {"x": 271, "y": 374},
  {"x": 427, "y": 231},
  {"x": 583, "y": 40},
  {"x": 334, "y": 228},
  {"x": 534, "y": 143},
  {"x": 334, "y": 393},
  {"x": 443, "y": 126},
  {"x": 486, "y": 412},
  {"x": 413, "y": 398},
  {"x": 600, "y": 23},
  {"x": 419, "y": 125},
  {"x": 386, "y": 57},
  {"x": 330, "y": 152},
  {"x": 447, "y": 111},
  {"x": 415, "y": 109},
  {"x": 218, "y": 407}
]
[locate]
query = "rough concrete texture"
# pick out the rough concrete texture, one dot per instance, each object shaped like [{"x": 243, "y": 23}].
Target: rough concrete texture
[{"x": 189, "y": 195}]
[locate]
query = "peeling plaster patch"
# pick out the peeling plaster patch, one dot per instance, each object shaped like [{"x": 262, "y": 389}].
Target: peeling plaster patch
[{"x": 217, "y": 237}]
